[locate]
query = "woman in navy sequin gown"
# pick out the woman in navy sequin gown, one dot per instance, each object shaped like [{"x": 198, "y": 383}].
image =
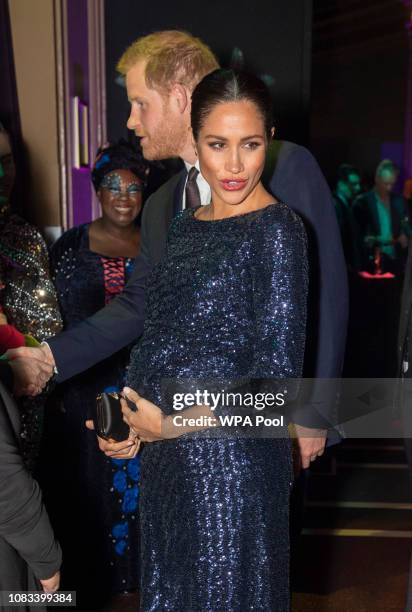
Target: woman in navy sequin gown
[
  {"x": 91, "y": 264},
  {"x": 227, "y": 303}
]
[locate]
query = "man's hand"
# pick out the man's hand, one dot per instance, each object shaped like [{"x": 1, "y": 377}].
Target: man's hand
[
  {"x": 31, "y": 369},
  {"x": 51, "y": 585},
  {"x": 41, "y": 352},
  {"x": 311, "y": 443},
  {"x": 127, "y": 449}
]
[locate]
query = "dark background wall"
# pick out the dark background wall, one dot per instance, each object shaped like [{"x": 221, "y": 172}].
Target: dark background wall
[
  {"x": 359, "y": 81},
  {"x": 274, "y": 36}
]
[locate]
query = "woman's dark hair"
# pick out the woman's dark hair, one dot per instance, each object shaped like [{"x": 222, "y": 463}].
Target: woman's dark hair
[
  {"x": 222, "y": 86},
  {"x": 119, "y": 156}
]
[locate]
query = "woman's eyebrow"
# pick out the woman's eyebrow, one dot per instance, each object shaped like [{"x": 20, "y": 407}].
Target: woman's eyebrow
[{"x": 242, "y": 139}]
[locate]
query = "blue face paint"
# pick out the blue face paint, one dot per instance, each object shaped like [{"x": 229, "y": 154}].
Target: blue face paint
[
  {"x": 113, "y": 182},
  {"x": 134, "y": 188}
]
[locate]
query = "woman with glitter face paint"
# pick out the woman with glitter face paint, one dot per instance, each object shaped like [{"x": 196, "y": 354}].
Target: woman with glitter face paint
[
  {"x": 90, "y": 265},
  {"x": 226, "y": 313},
  {"x": 29, "y": 311}
]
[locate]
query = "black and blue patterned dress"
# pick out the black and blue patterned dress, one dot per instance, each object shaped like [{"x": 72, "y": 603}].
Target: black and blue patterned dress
[
  {"x": 99, "y": 495},
  {"x": 227, "y": 302}
]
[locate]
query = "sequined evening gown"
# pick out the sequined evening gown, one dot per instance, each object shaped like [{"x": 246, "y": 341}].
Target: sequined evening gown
[{"x": 227, "y": 301}]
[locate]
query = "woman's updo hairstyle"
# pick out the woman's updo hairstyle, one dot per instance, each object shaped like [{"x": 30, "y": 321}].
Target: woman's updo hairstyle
[{"x": 222, "y": 86}]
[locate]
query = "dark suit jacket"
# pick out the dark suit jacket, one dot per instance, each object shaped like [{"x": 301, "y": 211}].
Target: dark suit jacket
[
  {"x": 28, "y": 549},
  {"x": 294, "y": 177}
]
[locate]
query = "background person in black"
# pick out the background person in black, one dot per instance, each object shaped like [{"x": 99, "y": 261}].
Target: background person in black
[
  {"x": 383, "y": 223},
  {"x": 348, "y": 187}
]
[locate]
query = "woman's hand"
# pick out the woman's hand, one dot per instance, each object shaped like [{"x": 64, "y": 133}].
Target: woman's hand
[
  {"x": 127, "y": 449},
  {"x": 147, "y": 422},
  {"x": 311, "y": 443}
]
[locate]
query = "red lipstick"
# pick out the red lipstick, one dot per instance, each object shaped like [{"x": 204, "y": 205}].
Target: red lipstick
[{"x": 233, "y": 184}]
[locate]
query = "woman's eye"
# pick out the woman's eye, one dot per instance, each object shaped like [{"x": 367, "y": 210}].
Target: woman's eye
[
  {"x": 216, "y": 145},
  {"x": 252, "y": 145}
]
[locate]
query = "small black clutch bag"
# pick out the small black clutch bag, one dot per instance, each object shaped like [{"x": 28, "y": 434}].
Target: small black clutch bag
[{"x": 108, "y": 417}]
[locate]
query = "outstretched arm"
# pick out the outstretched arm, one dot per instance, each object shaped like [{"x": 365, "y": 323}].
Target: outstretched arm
[
  {"x": 77, "y": 349},
  {"x": 107, "y": 331}
]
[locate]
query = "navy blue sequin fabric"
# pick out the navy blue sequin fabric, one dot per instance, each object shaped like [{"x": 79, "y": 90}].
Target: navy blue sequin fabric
[{"x": 227, "y": 301}]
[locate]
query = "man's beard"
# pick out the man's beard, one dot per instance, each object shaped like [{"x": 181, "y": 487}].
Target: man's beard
[{"x": 167, "y": 141}]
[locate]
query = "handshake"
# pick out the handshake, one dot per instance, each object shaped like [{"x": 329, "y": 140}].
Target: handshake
[{"x": 32, "y": 368}]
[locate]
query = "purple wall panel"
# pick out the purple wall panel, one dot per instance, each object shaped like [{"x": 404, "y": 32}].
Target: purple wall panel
[
  {"x": 81, "y": 195},
  {"x": 79, "y": 86}
]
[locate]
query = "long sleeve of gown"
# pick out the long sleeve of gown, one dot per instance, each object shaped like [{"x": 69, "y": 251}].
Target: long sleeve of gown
[{"x": 280, "y": 287}]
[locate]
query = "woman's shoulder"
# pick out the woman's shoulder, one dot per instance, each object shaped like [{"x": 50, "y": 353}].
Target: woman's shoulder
[
  {"x": 181, "y": 221},
  {"x": 279, "y": 217},
  {"x": 17, "y": 233},
  {"x": 71, "y": 240},
  {"x": 279, "y": 239},
  {"x": 23, "y": 229},
  {"x": 73, "y": 235}
]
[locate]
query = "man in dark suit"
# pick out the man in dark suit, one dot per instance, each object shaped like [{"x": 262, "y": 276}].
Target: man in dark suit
[
  {"x": 30, "y": 556},
  {"x": 161, "y": 71},
  {"x": 382, "y": 221},
  {"x": 348, "y": 187}
]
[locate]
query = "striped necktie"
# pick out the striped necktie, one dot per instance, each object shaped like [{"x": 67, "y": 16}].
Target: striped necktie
[{"x": 192, "y": 190}]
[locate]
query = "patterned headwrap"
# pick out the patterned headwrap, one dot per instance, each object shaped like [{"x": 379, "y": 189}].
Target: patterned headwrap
[{"x": 119, "y": 156}]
